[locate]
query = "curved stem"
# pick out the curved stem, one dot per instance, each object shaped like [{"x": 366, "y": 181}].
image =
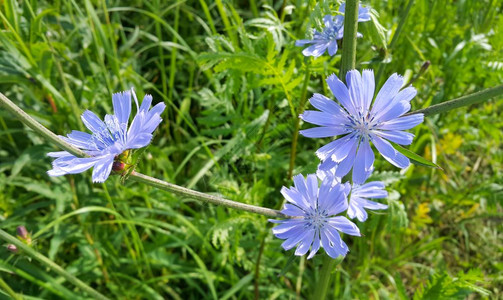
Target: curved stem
[
  {"x": 49, "y": 135},
  {"x": 52, "y": 265},
  {"x": 179, "y": 190},
  {"x": 474, "y": 98}
]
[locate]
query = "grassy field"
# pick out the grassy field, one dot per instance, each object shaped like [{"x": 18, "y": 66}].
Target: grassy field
[{"x": 234, "y": 84}]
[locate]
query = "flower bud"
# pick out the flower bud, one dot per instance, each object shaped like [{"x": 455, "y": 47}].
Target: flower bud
[
  {"x": 118, "y": 166},
  {"x": 22, "y": 232},
  {"x": 12, "y": 248}
]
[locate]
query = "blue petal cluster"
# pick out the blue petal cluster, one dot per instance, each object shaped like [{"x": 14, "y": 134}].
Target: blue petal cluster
[
  {"x": 109, "y": 138},
  {"x": 358, "y": 122},
  {"x": 333, "y": 31},
  {"x": 358, "y": 200},
  {"x": 315, "y": 221}
]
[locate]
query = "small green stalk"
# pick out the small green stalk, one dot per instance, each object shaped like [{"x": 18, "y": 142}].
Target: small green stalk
[{"x": 50, "y": 264}]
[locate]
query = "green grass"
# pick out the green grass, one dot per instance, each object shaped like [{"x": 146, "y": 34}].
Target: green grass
[{"x": 234, "y": 83}]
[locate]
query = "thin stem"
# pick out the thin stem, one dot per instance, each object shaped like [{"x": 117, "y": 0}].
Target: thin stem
[
  {"x": 474, "y": 98},
  {"x": 52, "y": 265},
  {"x": 9, "y": 291},
  {"x": 176, "y": 189},
  {"x": 46, "y": 133},
  {"x": 39, "y": 128},
  {"x": 349, "y": 42}
]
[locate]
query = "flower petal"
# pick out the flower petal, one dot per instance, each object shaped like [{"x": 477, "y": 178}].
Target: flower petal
[
  {"x": 329, "y": 106},
  {"x": 341, "y": 92},
  {"x": 315, "y": 50},
  {"x": 402, "y": 123},
  {"x": 368, "y": 90},
  {"x": 103, "y": 168},
  {"x": 388, "y": 91},
  {"x": 396, "y": 136},
  {"x": 322, "y": 132},
  {"x": 332, "y": 48},
  {"x": 94, "y": 123},
  {"x": 364, "y": 163},
  {"x": 346, "y": 164},
  {"x": 316, "y": 245},
  {"x": 322, "y": 118},
  {"x": 122, "y": 106},
  {"x": 342, "y": 151},
  {"x": 355, "y": 210},
  {"x": 389, "y": 153},
  {"x": 305, "y": 242},
  {"x": 303, "y": 42},
  {"x": 344, "y": 225},
  {"x": 354, "y": 82}
]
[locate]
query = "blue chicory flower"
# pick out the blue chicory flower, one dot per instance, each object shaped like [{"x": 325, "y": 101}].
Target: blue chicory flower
[
  {"x": 314, "y": 221},
  {"x": 359, "y": 124},
  {"x": 109, "y": 139},
  {"x": 358, "y": 199},
  {"x": 333, "y": 31}
]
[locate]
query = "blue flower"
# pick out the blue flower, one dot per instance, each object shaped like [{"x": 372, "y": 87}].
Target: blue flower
[
  {"x": 109, "y": 139},
  {"x": 333, "y": 31},
  {"x": 314, "y": 222},
  {"x": 358, "y": 123},
  {"x": 358, "y": 199}
]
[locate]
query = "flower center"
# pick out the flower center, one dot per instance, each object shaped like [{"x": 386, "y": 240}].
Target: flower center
[
  {"x": 362, "y": 124},
  {"x": 317, "y": 218}
]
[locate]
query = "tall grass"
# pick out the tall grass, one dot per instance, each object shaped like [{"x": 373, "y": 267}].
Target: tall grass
[{"x": 234, "y": 83}]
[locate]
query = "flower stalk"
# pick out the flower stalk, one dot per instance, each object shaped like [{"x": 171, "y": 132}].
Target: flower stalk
[
  {"x": 466, "y": 100},
  {"x": 50, "y": 136}
]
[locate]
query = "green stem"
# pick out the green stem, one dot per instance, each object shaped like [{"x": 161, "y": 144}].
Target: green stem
[
  {"x": 347, "y": 63},
  {"x": 9, "y": 291},
  {"x": 49, "y": 135},
  {"x": 39, "y": 128},
  {"x": 179, "y": 190},
  {"x": 325, "y": 275},
  {"x": 349, "y": 42},
  {"x": 474, "y": 98},
  {"x": 52, "y": 265}
]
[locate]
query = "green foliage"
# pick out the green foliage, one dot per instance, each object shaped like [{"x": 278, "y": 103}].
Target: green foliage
[
  {"x": 233, "y": 81},
  {"x": 442, "y": 286}
]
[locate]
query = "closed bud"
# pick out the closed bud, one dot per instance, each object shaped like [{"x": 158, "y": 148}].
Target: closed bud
[
  {"x": 12, "y": 248},
  {"x": 22, "y": 232},
  {"x": 118, "y": 166}
]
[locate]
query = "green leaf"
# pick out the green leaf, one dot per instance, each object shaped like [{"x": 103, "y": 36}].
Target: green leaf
[{"x": 414, "y": 158}]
